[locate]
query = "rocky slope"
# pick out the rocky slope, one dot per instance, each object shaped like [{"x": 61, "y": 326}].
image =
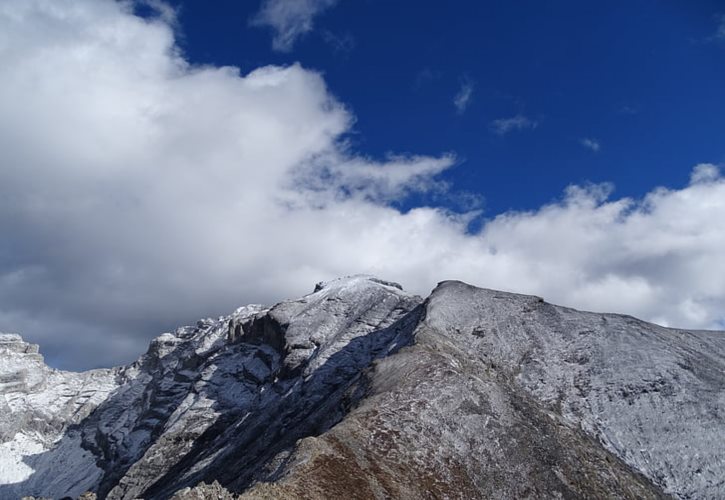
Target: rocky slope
[{"x": 362, "y": 390}]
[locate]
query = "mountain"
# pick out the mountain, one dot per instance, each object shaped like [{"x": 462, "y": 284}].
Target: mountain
[{"x": 361, "y": 390}]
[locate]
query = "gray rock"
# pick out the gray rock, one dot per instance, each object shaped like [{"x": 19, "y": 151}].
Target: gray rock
[{"x": 362, "y": 390}]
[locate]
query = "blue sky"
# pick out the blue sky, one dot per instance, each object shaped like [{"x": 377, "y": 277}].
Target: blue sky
[
  {"x": 643, "y": 79},
  {"x": 167, "y": 161}
]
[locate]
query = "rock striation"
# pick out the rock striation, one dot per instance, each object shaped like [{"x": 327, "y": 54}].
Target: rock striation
[{"x": 362, "y": 390}]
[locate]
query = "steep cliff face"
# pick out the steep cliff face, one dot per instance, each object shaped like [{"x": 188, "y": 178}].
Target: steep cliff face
[{"x": 364, "y": 391}]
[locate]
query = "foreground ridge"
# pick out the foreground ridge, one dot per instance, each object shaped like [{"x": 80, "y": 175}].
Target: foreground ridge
[{"x": 363, "y": 390}]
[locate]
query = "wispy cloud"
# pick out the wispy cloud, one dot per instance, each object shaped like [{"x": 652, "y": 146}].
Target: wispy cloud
[
  {"x": 590, "y": 143},
  {"x": 503, "y": 126},
  {"x": 161, "y": 9},
  {"x": 342, "y": 44},
  {"x": 463, "y": 97},
  {"x": 290, "y": 19},
  {"x": 628, "y": 109},
  {"x": 720, "y": 32},
  {"x": 424, "y": 77}
]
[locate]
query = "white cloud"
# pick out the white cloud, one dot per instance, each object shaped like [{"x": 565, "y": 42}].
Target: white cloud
[
  {"x": 138, "y": 192},
  {"x": 340, "y": 177},
  {"x": 590, "y": 143},
  {"x": 704, "y": 173},
  {"x": 289, "y": 19},
  {"x": 503, "y": 126},
  {"x": 463, "y": 97}
]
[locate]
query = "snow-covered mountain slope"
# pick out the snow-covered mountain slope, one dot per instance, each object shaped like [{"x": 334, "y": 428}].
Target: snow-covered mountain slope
[
  {"x": 362, "y": 390},
  {"x": 39, "y": 450}
]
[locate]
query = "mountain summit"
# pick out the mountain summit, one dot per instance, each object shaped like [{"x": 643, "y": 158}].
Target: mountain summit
[{"x": 361, "y": 390}]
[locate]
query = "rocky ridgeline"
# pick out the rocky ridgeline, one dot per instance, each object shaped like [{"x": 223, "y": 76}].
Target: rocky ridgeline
[{"x": 361, "y": 390}]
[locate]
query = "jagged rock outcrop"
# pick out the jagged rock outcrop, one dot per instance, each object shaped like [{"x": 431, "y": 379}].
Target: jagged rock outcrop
[{"x": 361, "y": 390}]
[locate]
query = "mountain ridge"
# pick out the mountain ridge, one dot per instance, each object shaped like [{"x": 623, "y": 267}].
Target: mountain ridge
[{"x": 458, "y": 395}]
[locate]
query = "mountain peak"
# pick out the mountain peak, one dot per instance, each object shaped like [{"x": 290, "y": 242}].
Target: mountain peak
[
  {"x": 13, "y": 342},
  {"x": 355, "y": 280}
]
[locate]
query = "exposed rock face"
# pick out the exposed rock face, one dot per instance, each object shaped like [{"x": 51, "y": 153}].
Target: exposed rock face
[{"x": 361, "y": 390}]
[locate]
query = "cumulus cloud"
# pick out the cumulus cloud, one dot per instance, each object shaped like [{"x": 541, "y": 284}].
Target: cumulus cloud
[
  {"x": 503, "y": 126},
  {"x": 463, "y": 97},
  {"x": 592, "y": 144},
  {"x": 290, "y": 19},
  {"x": 138, "y": 192}
]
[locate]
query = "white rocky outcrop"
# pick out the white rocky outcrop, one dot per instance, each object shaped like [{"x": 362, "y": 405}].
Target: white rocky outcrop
[{"x": 38, "y": 408}]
